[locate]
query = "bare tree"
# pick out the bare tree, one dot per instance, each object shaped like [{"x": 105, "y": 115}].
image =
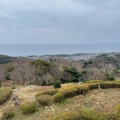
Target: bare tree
[
  {"x": 108, "y": 69},
  {"x": 23, "y": 74}
]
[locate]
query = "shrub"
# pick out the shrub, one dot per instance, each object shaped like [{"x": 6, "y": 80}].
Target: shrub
[
  {"x": 47, "y": 92},
  {"x": 29, "y": 107},
  {"x": 8, "y": 112},
  {"x": 112, "y": 116},
  {"x": 93, "y": 86},
  {"x": 94, "y": 81},
  {"x": 83, "y": 114},
  {"x": 111, "y": 78},
  {"x": 38, "y": 94},
  {"x": 104, "y": 85},
  {"x": 67, "y": 116},
  {"x": 118, "y": 108},
  {"x": 82, "y": 89},
  {"x": 13, "y": 87},
  {"x": 5, "y": 94},
  {"x": 58, "y": 97},
  {"x": 91, "y": 115},
  {"x": 50, "y": 92},
  {"x": 117, "y": 81},
  {"x": 110, "y": 85},
  {"x": 68, "y": 92},
  {"x": 57, "y": 84},
  {"x": 44, "y": 100}
]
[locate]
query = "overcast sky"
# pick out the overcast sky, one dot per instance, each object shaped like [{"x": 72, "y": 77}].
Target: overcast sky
[{"x": 59, "y": 21}]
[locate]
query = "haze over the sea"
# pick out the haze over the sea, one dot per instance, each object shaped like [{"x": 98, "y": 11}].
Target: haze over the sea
[
  {"x": 63, "y": 26},
  {"x": 25, "y": 50}
]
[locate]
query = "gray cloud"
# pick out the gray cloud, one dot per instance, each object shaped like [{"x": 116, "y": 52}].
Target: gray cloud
[{"x": 59, "y": 21}]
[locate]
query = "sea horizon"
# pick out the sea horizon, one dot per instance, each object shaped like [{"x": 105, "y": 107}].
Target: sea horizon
[{"x": 53, "y": 49}]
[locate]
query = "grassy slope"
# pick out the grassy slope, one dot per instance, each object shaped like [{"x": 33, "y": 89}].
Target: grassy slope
[{"x": 100, "y": 100}]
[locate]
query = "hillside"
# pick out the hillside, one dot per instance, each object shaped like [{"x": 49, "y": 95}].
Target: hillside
[
  {"x": 24, "y": 70},
  {"x": 100, "y": 100},
  {"x": 6, "y": 59}
]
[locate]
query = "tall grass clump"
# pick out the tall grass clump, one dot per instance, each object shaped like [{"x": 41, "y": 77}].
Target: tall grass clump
[
  {"x": 67, "y": 116},
  {"x": 84, "y": 114},
  {"x": 8, "y": 112},
  {"x": 5, "y": 94},
  {"x": 44, "y": 100},
  {"x": 29, "y": 107}
]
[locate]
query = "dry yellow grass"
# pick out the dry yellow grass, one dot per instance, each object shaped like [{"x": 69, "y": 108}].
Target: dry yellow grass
[
  {"x": 100, "y": 100},
  {"x": 24, "y": 94}
]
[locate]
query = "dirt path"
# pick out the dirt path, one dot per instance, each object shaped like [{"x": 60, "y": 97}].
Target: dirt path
[{"x": 24, "y": 94}]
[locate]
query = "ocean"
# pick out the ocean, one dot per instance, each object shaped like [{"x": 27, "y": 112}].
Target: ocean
[{"x": 26, "y": 50}]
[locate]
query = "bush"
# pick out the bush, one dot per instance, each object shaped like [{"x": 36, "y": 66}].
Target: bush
[
  {"x": 91, "y": 115},
  {"x": 67, "y": 116},
  {"x": 104, "y": 85},
  {"x": 111, "y": 78},
  {"x": 82, "y": 89},
  {"x": 117, "y": 81},
  {"x": 13, "y": 87},
  {"x": 5, "y": 94},
  {"x": 110, "y": 85},
  {"x": 8, "y": 112},
  {"x": 94, "y": 81},
  {"x": 44, "y": 100},
  {"x": 57, "y": 84},
  {"x": 83, "y": 114},
  {"x": 29, "y": 107},
  {"x": 68, "y": 92},
  {"x": 58, "y": 97},
  {"x": 47, "y": 92},
  {"x": 38, "y": 94},
  {"x": 50, "y": 92},
  {"x": 112, "y": 116},
  {"x": 118, "y": 108},
  {"x": 93, "y": 86}
]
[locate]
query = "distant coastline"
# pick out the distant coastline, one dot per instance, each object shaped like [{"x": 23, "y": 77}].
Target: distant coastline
[{"x": 26, "y": 50}]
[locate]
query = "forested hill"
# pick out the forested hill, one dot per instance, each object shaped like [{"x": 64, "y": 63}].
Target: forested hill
[
  {"x": 108, "y": 58},
  {"x": 24, "y": 70},
  {"x": 6, "y": 59}
]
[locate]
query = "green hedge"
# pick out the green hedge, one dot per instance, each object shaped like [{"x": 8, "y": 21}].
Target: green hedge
[
  {"x": 93, "y": 86},
  {"x": 82, "y": 89},
  {"x": 68, "y": 92},
  {"x": 47, "y": 92},
  {"x": 110, "y": 85},
  {"x": 94, "y": 81},
  {"x": 5, "y": 94},
  {"x": 58, "y": 97},
  {"x": 104, "y": 85}
]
